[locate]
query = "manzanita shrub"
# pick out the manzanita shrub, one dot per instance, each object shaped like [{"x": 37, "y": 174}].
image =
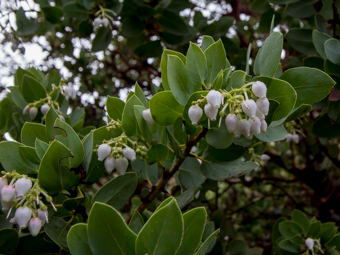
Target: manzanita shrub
[{"x": 207, "y": 123}]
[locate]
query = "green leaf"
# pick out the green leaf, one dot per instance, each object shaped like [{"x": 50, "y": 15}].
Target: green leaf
[
  {"x": 77, "y": 240},
  {"x": 288, "y": 245},
  {"x": 145, "y": 171},
  {"x": 190, "y": 174},
  {"x": 319, "y": 40},
  {"x": 11, "y": 158},
  {"x": 8, "y": 241},
  {"x": 268, "y": 57},
  {"x": 29, "y": 153},
  {"x": 102, "y": 39},
  {"x": 157, "y": 153},
  {"x": 301, "y": 9},
  {"x": 196, "y": 65},
  {"x": 140, "y": 94},
  {"x": 162, "y": 234},
  {"x": 136, "y": 223},
  {"x": 129, "y": 121},
  {"x": 207, "y": 41},
  {"x": 282, "y": 92},
  {"x": 178, "y": 80},
  {"x": 117, "y": 191},
  {"x": 314, "y": 229},
  {"x": 327, "y": 231},
  {"x": 216, "y": 60},
  {"x": 31, "y": 89},
  {"x": 273, "y": 134},
  {"x": 149, "y": 49},
  {"x": 301, "y": 219},
  {"x": 71, "y": 140},
  {"x": 25, "y": 26},
  {"x": 164, "y": 65},
  {"x": 52, "y": 14},
  {"x": 298, "y": 112},
  {"x": 301, "y": 40},
  {"x": 194, "y": 222},
  {"x": 332, "y": 49},
  {"x": 208, "y": 243},
  {"x": 164, "y": 108},
  {"x": 172, "y": 23},
  {"x": 75, "y": 10},
  {"x": 31, "y": 131},
  {"x": 237, "y": 79},
  {"x": 335, "y": 242},
  {"x": 219, "y": 138},
  {"x": 114, "y": 107},
  {"x": 40, "y": 147},
  {"x": 108, "y": 232},
  {"x": 290, "y": 229},
  {"x": 57, "y": 229},
  {"x": 311, "y": 84},
  {"x": 238, "y": 247},
  {"x": 224, "y": 170},
  {"x": 54, "y": 174}
]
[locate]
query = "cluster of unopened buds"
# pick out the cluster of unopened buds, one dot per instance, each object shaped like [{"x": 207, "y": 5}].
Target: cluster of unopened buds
[
  {"x": 246, "y": 116},
  {"x": 32, "y": 110},
  {"x": 22, "y": 194},
  {"x": 117, "y": 153},
  {"x": 292, "y": 138}
]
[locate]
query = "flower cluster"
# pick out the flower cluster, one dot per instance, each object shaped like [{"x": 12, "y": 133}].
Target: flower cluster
[
  {"x": 292, "y": 138},
  {"x": 246, "y": 116},
  {"x": 118, "y": 151},
  {"x": 24, "y": 195}
]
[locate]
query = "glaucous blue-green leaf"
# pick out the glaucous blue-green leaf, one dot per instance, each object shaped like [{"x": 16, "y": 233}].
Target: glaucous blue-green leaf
[
  {"x": 57, "y": 229},
  {"x": 40, "y": 147},
  {"x": 129, "y": 121},
  {"x": 219, "y": 138},
  {"x": 114, "y": 107},
  {"x": 237, "y": 79},
  {"x": 273, "y": 134},
  {"x": 220, "y": 171},
  {"x": 301, "y": 219},
  {"x": 301, "y": 9},
  {"x": 140, "y": 94},
  {"x": 332, "y": 49},
  {"x": 77, "y": 118},
  {"x": 50, "y": 119},
  {"x": 178, "y": 80},
  {"x": 311, "y": 84},
  {"x": 108, "y": 232},
  {"x": 218, "y": 82},
  {"x": 31, "y": 89},
  {"x": 158, "y": 152},
  {"x": 162, "y": 233},
  {"x": 71, "y": 140},
  {"x": 301, "y": 40},
  {"x": 216, "y": 60},
  {"x": 136, "y": 223},
  {"x": 319, "y": 40},
  {"x": 117, "y": 191},
  {"x": 25, "y": 26},
  {"x": 196, "y": 65},
  {"x": 268, "y": 57},
  {"x": 208, "y": 243},
  {"x": 54, "y": 174},
  {"x": 282, "y": 92},
  {"x": 186, "y": 197},
  {"x": 299, "y": 111},
  {"x": 77, "y": 240},
  {"x": 190, "y": 174},
  {"x": 29, "y": 153},
  {"x": 31, "y": 131},
  {"x": 164, "y": 108},
  {"x": 164, "y": 65},
  {"x": 194, "y": 222},
  {"x": 207, "y": 40},
  {"x": 145, "y": 171},
  {"x": 11, "y": 158},
  {"x": 102, "y": 39}
]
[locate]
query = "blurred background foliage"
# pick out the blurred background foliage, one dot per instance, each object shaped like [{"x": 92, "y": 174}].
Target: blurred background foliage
[{"x": 103, "y": 47}]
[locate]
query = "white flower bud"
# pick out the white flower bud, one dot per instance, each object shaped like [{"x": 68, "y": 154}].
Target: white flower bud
[
  {"x": 264, "y": 126},
  {"x": 121, "y": 165},
  {"x": 22, "y": 216},
  {"x": 214, "y": 98},
  {"x": 259, "y": 89},
  {"x": 43, "y": 216},
  {"x": 147, "y": 117},
  {"x": 109, "y": 164},
  {"x": 69, "y": 92},
  {"x": 103, "y": 151},
  {"x": 249, "y": 107},
  {"x": 255, "y": 125},
  {"x": 3, "y": 182},
  {"x": 295, "y": 138},
  {"x": 195, "y": 113},
  {"x": 289, "y": 137},
  {"x": 33, "y": 113},
  {"x": 231, "y": 122},
  {"x": 309, "y": 243},
  {"x": 129, "y": 153},
  {"x": 26, "y": 110},
  {"x": 5, "y": 205},
  {"x": 7, "y": 193},
  {"x": 264, "y": 157},
  {"x": 263, "y": 105},
  {"x": 22, "y": 186},
  {"x": 244, "y": 126},
  {"x": 260, "y": 115},
  {"x": 210, "y": 111},
  {"x": 34, "y": 226},
  {"x": 44, "y": 108}
]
